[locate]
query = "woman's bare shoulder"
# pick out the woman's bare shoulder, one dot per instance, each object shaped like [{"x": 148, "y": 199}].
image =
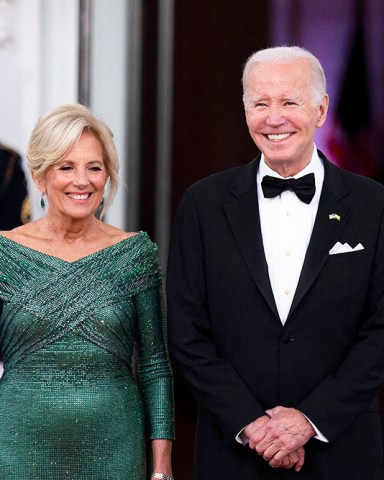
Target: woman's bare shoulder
[
  {"x": 18, "y": 233},
  {"x": 116, "y": 234}
]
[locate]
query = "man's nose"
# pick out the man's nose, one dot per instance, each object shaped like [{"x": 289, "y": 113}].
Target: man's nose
[{"x": 275, "y": 115}]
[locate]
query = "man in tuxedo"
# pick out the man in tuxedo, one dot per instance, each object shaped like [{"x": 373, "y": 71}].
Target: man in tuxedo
[{"x": 276, "y": 295}]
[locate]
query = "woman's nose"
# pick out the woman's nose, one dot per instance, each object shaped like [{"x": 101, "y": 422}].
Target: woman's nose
[{"x": 81, "y": 178}]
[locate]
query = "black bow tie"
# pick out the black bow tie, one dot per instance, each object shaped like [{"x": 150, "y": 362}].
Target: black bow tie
[{"x": 304, "y": 187}]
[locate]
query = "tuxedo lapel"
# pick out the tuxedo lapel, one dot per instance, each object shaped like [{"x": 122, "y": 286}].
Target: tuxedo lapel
[
  {"x": 243, "y": 216},
  {"x": 326, "y": 231}
]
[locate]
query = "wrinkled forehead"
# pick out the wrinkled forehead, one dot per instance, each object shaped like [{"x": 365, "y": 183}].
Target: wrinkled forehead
[
  {"x": 282, "y": 77},
  {"x": 279, "y": 70},
  {"x": 288, "y": 80}
]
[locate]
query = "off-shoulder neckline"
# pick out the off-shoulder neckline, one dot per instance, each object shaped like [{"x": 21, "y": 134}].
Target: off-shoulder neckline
[{"x": 101, "y": 251}]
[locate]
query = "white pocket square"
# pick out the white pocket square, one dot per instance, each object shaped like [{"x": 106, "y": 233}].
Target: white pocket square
[{"x": 344, "y": 248}]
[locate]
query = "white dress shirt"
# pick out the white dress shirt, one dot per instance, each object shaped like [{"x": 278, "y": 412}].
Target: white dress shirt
[{"x": 286, "y": 226}]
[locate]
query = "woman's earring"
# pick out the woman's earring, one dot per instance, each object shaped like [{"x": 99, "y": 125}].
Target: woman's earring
[
  {"x": 42, "y": 203},
  {"x": 101, "y": 204}
]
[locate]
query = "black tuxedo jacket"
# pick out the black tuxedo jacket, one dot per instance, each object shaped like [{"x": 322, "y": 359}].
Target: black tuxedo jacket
[{"x": 234, "y": 353}]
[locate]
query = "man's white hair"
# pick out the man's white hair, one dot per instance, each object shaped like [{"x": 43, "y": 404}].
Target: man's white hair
[{"x": 283, "y": 54}]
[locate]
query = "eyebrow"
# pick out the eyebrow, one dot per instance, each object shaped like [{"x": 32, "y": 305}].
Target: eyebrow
[{"x": 73, "y": 162}]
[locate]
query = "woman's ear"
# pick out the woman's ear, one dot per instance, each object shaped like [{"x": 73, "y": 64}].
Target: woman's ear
[{"x": 39, "y": 182}]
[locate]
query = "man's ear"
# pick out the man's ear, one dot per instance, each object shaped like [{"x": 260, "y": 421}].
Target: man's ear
[{"x": 323, "y": 109}]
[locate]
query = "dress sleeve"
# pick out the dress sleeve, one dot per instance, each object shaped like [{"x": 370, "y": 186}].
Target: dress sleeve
[
  {"x": 1, "y": 347},
  {"x": 153, "y": 366}
]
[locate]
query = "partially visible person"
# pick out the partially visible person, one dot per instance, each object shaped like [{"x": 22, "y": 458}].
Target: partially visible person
[
  {"x": 15, "y": 208},
  {"x": 81, "y": 303},
  {"x": 276, "y": 295}
]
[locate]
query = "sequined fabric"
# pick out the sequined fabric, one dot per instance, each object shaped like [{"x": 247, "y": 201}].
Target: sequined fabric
[{"x": 72, "y": 405}]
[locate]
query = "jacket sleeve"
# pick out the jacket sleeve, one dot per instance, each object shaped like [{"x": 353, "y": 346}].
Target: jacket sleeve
[
  {"x": 353, "y": 386},
  {"x": 214, "y": 383}
]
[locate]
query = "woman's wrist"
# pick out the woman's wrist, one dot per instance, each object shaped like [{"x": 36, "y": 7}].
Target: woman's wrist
[
  {"x": 161, "y": 476},
  {"x": 161, "y": 459}
]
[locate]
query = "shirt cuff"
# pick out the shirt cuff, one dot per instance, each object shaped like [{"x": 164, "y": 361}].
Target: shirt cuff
[
  {"x": 319, "y": 435},
  {"x": 242, "y": 438}
]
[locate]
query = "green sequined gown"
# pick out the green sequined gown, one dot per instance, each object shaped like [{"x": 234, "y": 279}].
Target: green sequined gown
[{"x": 72, "y": 406}]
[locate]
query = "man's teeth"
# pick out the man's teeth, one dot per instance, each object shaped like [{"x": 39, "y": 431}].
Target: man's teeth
[
  {"x": 83, "y": 196},
  {"x": 278, "y": 137}
]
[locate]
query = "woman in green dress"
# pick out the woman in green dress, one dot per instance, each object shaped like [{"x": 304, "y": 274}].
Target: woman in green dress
[{"x": 87, "y": 389}]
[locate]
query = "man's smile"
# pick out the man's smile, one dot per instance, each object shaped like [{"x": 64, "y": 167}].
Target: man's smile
[{"x": 278, "y": 137}]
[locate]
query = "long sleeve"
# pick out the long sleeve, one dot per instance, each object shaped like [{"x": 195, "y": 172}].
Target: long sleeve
[
  {"x": 211, "y": 377},
  {"x": 153, "y": 366},
  {"x": 341, "y": 396}
]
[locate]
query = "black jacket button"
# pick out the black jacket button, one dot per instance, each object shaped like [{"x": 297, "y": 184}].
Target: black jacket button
[{"x": 286, "y": 338}]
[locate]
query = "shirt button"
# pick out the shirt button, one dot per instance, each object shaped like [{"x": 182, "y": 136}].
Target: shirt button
[
  {"x": 287, "y": 291},
  {"x": 288, "y": 213},
  {"x": 287, "y": 253}
]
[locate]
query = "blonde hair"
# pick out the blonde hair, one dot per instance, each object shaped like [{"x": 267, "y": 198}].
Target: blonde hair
[
  {"x": 285, "y": 54},
  {"x": 58, "y": 130}
]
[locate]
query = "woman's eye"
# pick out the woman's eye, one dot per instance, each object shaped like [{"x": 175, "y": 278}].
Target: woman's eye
[
  {"x": 65, "y": 168},
  {"x": 95, "y": 169}
]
